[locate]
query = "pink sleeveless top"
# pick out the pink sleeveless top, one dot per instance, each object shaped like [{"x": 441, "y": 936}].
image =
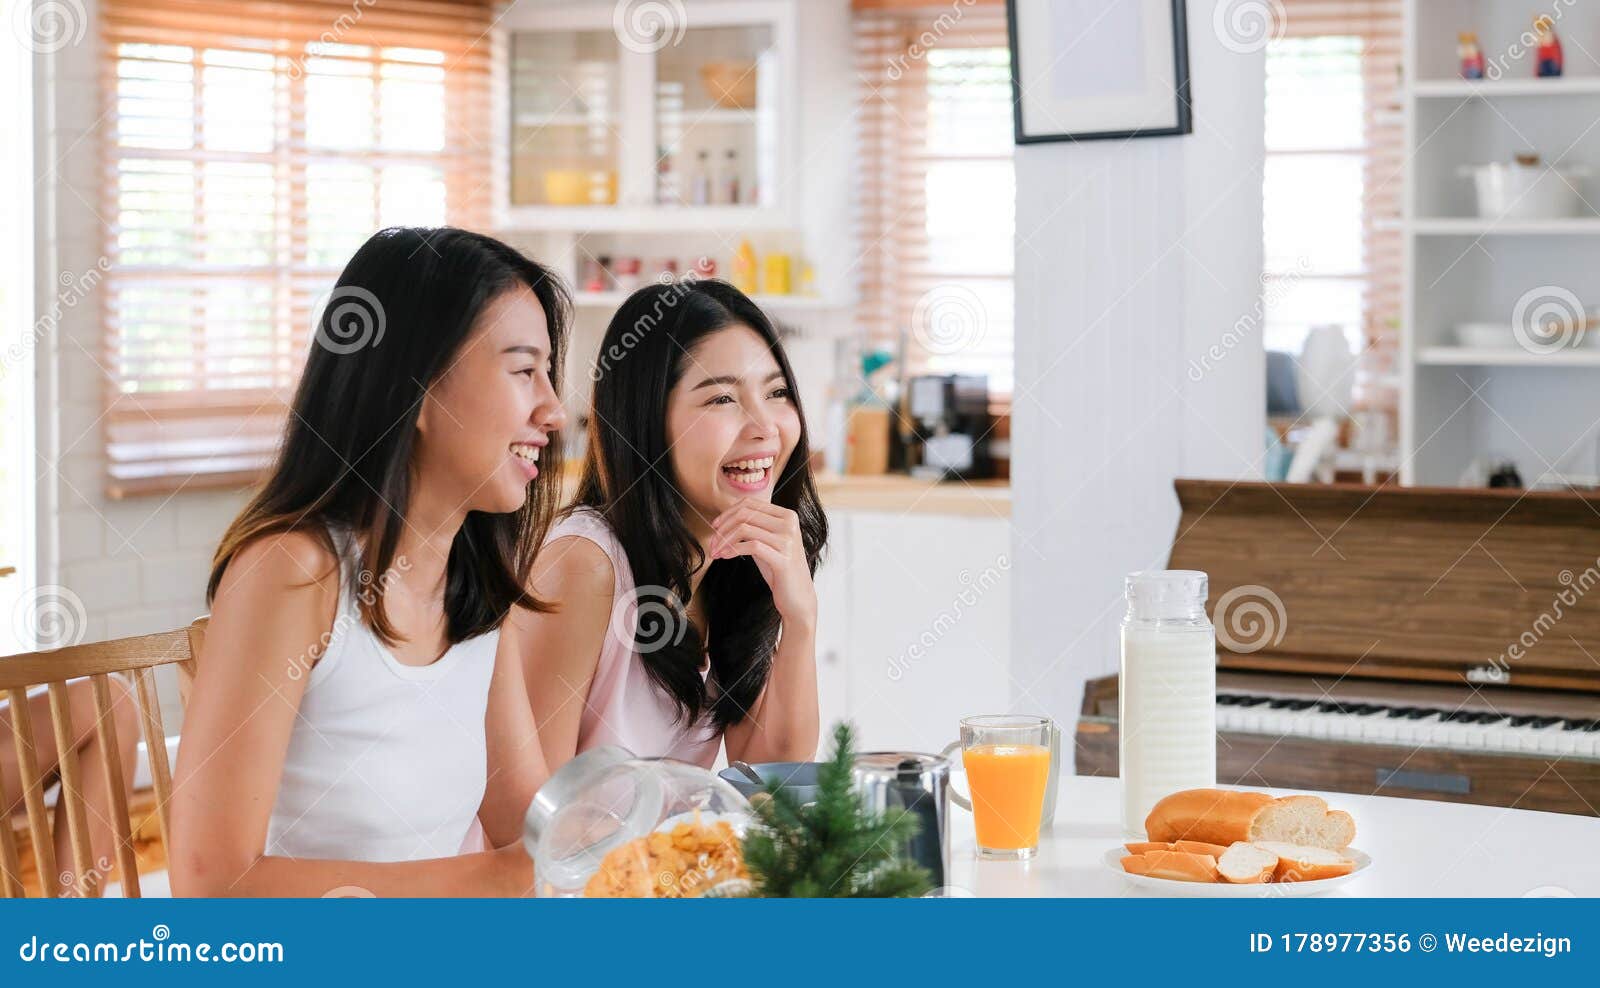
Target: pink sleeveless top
[{"x": 623, "y": 706}]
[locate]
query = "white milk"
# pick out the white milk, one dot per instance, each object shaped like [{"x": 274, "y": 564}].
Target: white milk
[{"x": 1168, "y": 692}]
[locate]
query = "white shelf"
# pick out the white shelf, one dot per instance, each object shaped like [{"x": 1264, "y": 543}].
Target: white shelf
[
  {"x": 718, "y": 114},
  {"x": 563, "y": 120},
  {"x": 1492, "y": 88},
  {"x": 786, "y": 302},
  {"x": 643, "y": 219},
  {"x": 1459, "y": 356},
  {"x": 1472, "y": 226}
]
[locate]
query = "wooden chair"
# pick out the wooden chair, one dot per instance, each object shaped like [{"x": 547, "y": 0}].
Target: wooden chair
[{"x": 137, "y": 658}]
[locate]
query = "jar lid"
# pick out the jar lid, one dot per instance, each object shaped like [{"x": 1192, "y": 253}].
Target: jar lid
[
  {"x": 897, "y": 764},
  {"x": 599, "y": 800}
]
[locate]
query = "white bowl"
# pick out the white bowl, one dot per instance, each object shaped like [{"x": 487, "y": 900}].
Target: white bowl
[
  {"x": 1227, "y": 890},
  {"x": 1485, "y": 335}
]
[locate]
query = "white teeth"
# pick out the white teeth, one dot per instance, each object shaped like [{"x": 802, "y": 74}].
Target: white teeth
[
  {"x": 526, "y": 451},
  {"x": 765, "y": 463}
]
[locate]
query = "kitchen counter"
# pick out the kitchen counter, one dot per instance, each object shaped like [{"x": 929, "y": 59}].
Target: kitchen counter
[
  {"x": 892, "y": 493},
  {"x": 1418, "y": 847},
  {"x": 900, "y": 494}
]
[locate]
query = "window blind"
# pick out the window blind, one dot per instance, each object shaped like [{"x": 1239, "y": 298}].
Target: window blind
[
  {"x": 1316, "y": 35},
  {"x": 249, "y": 148},
  {"x": 937, "y": 192}
]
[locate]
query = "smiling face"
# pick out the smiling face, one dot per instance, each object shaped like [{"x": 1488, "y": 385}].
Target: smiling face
[
  {"x": 731, "y": 424},
  {"x": 486, "y": 418}
]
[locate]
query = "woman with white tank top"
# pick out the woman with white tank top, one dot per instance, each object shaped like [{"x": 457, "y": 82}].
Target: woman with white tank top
[{"x": 351, "y": 694}]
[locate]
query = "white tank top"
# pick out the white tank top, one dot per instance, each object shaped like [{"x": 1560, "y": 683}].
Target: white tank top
[{"x": 386, "y": 762}]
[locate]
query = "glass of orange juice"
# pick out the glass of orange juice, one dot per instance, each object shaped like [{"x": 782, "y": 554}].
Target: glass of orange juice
[{"x": 1007, "y": 759}]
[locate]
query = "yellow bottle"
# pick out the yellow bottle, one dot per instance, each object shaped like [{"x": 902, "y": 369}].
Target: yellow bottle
[
  {"x": 775, "y": 274},
  {"x": 744, "y": 268}
]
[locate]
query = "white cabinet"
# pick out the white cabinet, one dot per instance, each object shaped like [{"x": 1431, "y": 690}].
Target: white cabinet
[
  {"x": 647, "y": 116},
  {"x": 913, "y": 626}
]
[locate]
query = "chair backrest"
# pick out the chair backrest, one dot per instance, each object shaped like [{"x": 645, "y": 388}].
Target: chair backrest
[{"x": 136, "y": 658}]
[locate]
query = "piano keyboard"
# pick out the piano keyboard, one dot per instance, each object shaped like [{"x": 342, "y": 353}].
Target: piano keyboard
[{"x": 1423, "y": 727}]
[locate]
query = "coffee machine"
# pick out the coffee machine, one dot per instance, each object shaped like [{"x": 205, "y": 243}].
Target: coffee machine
[{"x": 944, "y": 422}]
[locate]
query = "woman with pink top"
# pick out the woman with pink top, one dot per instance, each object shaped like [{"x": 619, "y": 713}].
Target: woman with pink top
[{"x": 684, "y": 613}]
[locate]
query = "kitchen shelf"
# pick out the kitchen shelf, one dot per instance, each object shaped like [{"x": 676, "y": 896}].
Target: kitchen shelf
[
  {"x": 786, "y": 302},
  {"x": 645, "y": 219},
  {"x": 1459, "y": 356},
  {"x": 722, "y": 115},
  {"x": 1473, "y": 226},
  {"x": 1462, "y": 407},
  {"x": 1491, "y": 88},
  {"x": 536, "y": 120}
]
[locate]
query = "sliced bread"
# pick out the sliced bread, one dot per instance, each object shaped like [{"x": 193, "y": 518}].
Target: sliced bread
[
  {"x": 1192, "y": 846},
  {"x": 1246, "y": 864},
  {"x": 1181, "y": 866},
  {"x": 1299, "y": 863}
]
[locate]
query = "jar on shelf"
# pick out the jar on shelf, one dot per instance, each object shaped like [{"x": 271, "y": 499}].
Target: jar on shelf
[{"x": 611, "y": 825}]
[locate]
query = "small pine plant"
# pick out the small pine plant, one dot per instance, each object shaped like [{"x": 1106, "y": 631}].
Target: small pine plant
[{"x": 833, "y": 848}]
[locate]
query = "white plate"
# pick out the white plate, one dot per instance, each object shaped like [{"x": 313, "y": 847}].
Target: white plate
[{"x": 1227, "y": 890}]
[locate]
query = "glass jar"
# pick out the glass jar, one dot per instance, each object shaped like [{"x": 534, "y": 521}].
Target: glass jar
[
  {"x": 1167, "y": 695},
  {"x": 611, "y": 825}
]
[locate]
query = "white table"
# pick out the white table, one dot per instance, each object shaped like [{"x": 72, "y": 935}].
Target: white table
[{"x": 1418, "y": 848}]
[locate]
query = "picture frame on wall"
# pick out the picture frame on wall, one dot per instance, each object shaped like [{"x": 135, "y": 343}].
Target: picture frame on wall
[{"x": 1089, "y": 70}]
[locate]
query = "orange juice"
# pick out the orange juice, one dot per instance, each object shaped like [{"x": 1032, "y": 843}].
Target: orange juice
[{"x": 1007, "y": 783}]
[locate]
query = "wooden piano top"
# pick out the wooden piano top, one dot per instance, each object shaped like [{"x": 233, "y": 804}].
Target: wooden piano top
[{"x": 1419, "y": 584}]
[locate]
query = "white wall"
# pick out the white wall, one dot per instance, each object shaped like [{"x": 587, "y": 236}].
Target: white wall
[{"x": 1133, "y": 258}]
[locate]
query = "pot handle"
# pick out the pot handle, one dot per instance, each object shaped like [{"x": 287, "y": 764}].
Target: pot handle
[{"x": 955, "y": 797}]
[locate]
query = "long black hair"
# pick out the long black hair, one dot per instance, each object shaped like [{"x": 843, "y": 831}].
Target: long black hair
[
  {"x": 394, "y": 321},
  {"x": 627, "y": 479}
]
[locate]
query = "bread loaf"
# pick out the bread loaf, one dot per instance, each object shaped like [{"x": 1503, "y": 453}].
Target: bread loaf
[
  {"x": 1215, "y": 816},
  {"x": 1226, "y": 817}
]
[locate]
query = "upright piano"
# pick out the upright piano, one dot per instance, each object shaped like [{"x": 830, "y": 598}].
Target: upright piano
[{"x": 1428, "y": 643}]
